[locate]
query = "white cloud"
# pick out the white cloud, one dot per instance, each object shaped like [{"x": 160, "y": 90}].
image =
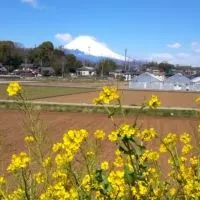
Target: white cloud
[
  {"x": 183, "y": 55},
  {"x": 63, "y": 37},
  {"x": 33, "y": 3},
  {"x": 178, "y": 58},
  {"x": 176, "y": 45},
  {"x": 196, "y": 47}
]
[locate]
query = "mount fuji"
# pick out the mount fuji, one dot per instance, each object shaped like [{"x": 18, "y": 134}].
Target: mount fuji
[{"x": 88, "y": 47}]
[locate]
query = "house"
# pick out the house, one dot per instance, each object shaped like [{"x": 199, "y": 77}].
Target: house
[
  {"x": 3, "y": 70},
  {"x": 86, "y": 71},
  {"x": 186, "y": 70},
  {"x": 46, "y": 71},
  {"x": 117, "y": 73},
  {"x": 156, "y": 71}
]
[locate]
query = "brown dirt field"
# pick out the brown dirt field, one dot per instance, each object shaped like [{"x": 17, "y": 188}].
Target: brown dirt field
[
  {"x": 12, "y": 131},
  {"x": 130, "y": 97}
]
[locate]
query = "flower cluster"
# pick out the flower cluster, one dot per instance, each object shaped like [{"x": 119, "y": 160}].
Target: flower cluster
[
  {"x": 107, "y": 95},
  {"x": 154, "y": 102},
  {"x": 116, "y": 179},
  {"x": 71, "y": 143},
  {"x": 147, "y": 134},
  {"x": 58, "y": 191},
  {"x": 29, "y": 139},
  {"x": 124, "y": 131},
  {"x": 19, "y": 161},
  {"x": 14, "y": 88},
  {"x": 99, "y": 134}
]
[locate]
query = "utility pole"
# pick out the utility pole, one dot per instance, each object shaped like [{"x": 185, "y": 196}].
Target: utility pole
[
  {"x": 125, "y": 60},
  {"x": 102, "y": 65},
  {"x": 63, "y": 68}
]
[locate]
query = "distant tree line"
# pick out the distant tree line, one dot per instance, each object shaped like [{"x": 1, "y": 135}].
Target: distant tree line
[
  {"x": 12, "y": 55},
  {"x": 163, "y": 66}
]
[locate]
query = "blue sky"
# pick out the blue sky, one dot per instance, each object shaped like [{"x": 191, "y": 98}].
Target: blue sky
[{"x": 160, "y": 30}]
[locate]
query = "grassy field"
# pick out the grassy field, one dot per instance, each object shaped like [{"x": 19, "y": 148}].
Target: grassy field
[{"x": 37, "y": 92}]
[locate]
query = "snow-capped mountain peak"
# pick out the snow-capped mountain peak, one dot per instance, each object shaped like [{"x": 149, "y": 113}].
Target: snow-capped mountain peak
[{"x": 90, "y": 46}]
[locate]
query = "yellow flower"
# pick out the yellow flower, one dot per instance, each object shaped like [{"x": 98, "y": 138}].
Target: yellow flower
[
  {"x": 113, "y": 136},
  {"x": 186, "y": 148},
  {"x": 154, "y": 102},
  {"x": 46, "y": 162},
  {"x": 194, "y": 160},
  {"x": 116, "y": 179},
  {"x": 170, "y": 139},
  {"x": 147, "y": 134},
  {"x": 149, "y": 155},
  {"x": 57, "y": 147},
  {"x": 2, "y": 180},
  {"x": 118, "y": 161},
  {"x": 29, "y": 139},
  {"x": 172, "y": 191},
  {"x": 90, "y": 153},
  {"x": 17, "y": 194},
  {"x": 14, "y": 88},
  {"x": 18, "y": 161},
  {"x": 39, "y": 178},
  {"x": 86, "y": 182},
  {"x": 162, "y": 148},
  {"x": 99, "y": 134},
  {"x": 142, "y": 188},
  {"x": 134, "y": 190},
  {"x": 59, "y": 174},
  {"x": 104, "y": 165},
  {"x": 185, "y": 138},
  {"x": 107, "y": 95},
  {"x": 197, "y": 99}
]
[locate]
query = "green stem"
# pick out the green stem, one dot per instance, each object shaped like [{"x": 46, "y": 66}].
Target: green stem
[
  {"x": 25, "y": 185},
  {"x": 73, "y": 174}
]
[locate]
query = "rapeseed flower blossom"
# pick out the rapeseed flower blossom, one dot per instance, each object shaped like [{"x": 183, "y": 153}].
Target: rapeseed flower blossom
[
  {"x": 14, "y": 88},
  {"x": 17, "y": 194},
  {"x": 99, "y": 134},
  {"x": 70, "y": 145},
  {"x": 46, "y": 162},
  {"x": 107, "y": 95},
  {"x": 39, "y": 178},
  {"x": 19, "y": 161},
  {"x": 86, "y": 182},
  {"x": 147, "y": 134},
  {"x": 104, "y": 165},
  {"x": 90, "y": 153},
  {"x": 29, "y": 139},
  {"x": 124, "y": 131},
  {"x": 58, "y": 191},
  {"x": 197, "y": 99},
  {"x": 170, "y": 139},
  {"x": 185, "y": 138},
  {"x": 154, "y": 102},
  {"x": 2, "y": 180},
  {"x": 116, "y": 179}
]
